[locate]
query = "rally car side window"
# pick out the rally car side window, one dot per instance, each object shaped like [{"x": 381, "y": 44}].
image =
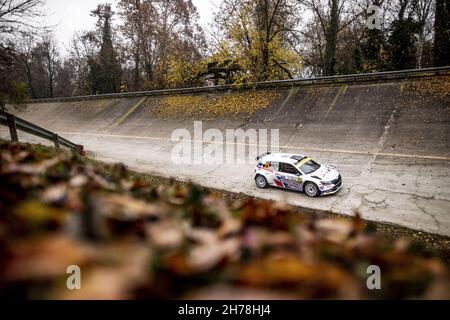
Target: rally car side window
[
  {"x": 274, "y": 166},
  {"x": 288, "y": 168}
]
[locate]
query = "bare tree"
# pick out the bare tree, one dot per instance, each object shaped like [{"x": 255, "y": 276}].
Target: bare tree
[
  {"x": 156, "y": 34},
  {"x": 259, "y": 36},
  {"x": 424, "y": 11},
  {"x": 333, "y": 16},
  {"x": 139, "y": 30},
  {"x": 441, "y": 48},
  {"x": 50, "y": 59},
  {"x": 177, "y": 29},
  {"x": 23, "y": 55},
  {"x": 16, "y": 15},
  {"x": 83, "y": 49}
]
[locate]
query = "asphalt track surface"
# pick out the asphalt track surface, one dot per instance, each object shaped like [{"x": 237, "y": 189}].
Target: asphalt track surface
[{"x": 391, "y": 145}]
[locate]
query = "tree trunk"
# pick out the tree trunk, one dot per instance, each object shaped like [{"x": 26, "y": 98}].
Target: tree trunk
[
  {"x": 30, "y": 81},
  {"x": 420, "y": 44},
  {"x": 331, "y": 39},
  {"x": 442, "y": 33},
  {"x": 136, "y": 75}
]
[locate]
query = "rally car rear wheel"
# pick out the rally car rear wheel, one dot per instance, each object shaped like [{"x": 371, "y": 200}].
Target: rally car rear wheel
[
  {"x": 311, "y": 189},
  {"x": 261, "y": 182}
]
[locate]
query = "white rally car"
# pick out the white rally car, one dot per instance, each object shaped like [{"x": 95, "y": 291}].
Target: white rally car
[{"x": 296, "y": 172}]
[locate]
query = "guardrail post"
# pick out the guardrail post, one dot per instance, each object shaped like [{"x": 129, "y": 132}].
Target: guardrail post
[
  {"x": 12, "y": 127},
  {"x": 56, "y": 140}
]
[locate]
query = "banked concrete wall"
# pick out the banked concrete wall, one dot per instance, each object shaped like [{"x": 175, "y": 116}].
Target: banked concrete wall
[
  {"x": 389, "y": 138},
  {"x": 410, "y": 116}
]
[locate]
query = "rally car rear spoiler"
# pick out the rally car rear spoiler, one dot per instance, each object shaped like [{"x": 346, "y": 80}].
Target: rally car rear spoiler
[{"x": 262, "y": 155}]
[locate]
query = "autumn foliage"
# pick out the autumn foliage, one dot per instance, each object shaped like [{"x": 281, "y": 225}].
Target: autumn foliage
[
  {"x": 231, "y": 105},
  {"x": 133, "y": 239}
]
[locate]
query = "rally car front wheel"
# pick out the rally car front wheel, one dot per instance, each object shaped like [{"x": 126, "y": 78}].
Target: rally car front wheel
[
  {"x": 261, "y": 182},
  {"x": 311, "y": 189}
]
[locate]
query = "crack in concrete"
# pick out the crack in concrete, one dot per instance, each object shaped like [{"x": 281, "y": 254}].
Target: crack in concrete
[
  {"x": 422, "y": 196},
  {"x": 424, "y": 211},
  {"x": 376, "y": 204},
  {"x": 336, "y": 202},
  {"x": 381, "y": 143},
  {"x": 382, "y": 204},
  {"x": 210, "y": 171}
]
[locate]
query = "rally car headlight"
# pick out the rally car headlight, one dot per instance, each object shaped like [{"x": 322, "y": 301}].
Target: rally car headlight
[{"x": 325, "y": 185}]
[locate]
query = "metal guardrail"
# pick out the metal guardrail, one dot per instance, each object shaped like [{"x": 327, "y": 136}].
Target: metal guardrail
[
  {"x": 360, "y": 77},
  {"x": 15, "y": 123}
]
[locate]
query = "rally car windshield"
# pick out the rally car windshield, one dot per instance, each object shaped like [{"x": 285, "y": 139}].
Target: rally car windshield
[{"x": 309, "y": 167}]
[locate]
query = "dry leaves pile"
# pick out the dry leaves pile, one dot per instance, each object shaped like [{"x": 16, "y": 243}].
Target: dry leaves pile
[
  {"x": 135, "y": 240},
  {"x": 206, "y": 107},
  {"x": 434, "y": 87}
]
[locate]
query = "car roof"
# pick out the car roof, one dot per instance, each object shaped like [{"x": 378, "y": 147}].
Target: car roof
[{"x": 292, "y": 158}]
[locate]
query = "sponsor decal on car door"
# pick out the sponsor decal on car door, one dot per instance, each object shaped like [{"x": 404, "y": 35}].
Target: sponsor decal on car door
[{"x": 288, "y": 180}]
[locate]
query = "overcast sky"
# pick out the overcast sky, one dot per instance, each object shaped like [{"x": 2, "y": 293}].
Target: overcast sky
[{"x": 68, "y": 16}]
